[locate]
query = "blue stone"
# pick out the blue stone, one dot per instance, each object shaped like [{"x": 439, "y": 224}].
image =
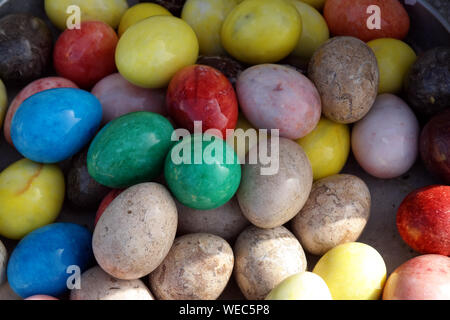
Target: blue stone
[
  {"x": 53, "y": 125},
  {"x": 40, "y": 262}
]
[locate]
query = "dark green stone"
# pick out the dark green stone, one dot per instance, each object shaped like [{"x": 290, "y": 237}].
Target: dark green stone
[
  {"x": 208, "y": 184},
  {"x": 130, "y": 149}
]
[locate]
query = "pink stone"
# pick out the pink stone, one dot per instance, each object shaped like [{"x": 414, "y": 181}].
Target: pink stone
[
  {"x": 385, "y": 142},
  {"x": 41, "y": 297},
  {"x": 31, "y": 89},
  {"x": 278, "y": 97},
  {"x": 425, "y": 277},
  {"x": 119, "y": 97}
]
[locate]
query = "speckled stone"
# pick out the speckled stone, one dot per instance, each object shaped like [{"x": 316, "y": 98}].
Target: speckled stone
[
  {"x": 136, "y": 231},
  {"x": 98, "y": 285},
  {"x": 197, "y": 267},
  {"x": 336, "y": 212},
  {"x": 25, "y": 47},
  {"x": 427, "y": 86},
  {"x": 345, "y": 72},
  {"x": 264, "y": 258}
]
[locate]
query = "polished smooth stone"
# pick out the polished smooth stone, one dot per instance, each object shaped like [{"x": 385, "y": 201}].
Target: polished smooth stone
[
  {"x": 40, "y": 262},
  {"x": 86, "y": 55},
  {"x": 130, "y": 149},
  {"x": 25, "y": 47},
  {"x": 119, "y": 97},
  {"x": 31, "y": 89},
  {"x": 198, "y": 176},
  {"x": 435, "y": 146},
  {"x": 386, "y": 141},
  {"x": 31, "y": 196},
  {"x": 55, "y": 124},
  {"x": 202, "y": 93},
  {"x": 278, "y": 97}
]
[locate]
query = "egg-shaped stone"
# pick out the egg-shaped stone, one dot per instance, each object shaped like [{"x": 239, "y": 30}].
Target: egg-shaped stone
[
  {"x": 336, "y": 212},
  {"x": 53, "y": 125},
  {"x": 270, "y": 199},
  {"x": 264, "y": 258},
  {"x": 130, "y": 149},
  {"x": 44, "y": 260},
  {"x": 31, "y": 196},
  {"x": 136, "y": 231},
  {"x": 386, "y": 142},
  {"x": 278, "y": 97},
  {"x": 98, "y": 285}
]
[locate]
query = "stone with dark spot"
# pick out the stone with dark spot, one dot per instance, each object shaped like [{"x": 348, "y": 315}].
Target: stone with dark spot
[
  {"x": 435, "y": 146},
  {"x": 25, "y": 48},
  {"x": 228, "y": 66},
  {"x": 82, "y": 190},
  {"x": 174, "y": 6},
  {"x": 427, "y": 85}
]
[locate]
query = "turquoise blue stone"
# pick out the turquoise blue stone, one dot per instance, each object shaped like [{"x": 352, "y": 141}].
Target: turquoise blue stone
[
  {"x": 40, "y": 262},
  {"x": 202, "y": 171},
  {"x": 53, "y": 125}
]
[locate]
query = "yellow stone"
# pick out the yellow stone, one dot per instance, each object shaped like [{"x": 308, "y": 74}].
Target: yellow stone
[
  {"x": 353, "y": 271},
  {"x": 327, "y": 147},
  {"x": 31, "y": 196},
  {"x": 150, "y": 52},
  {"x": 314, "y": 30},
  {"x": 261, "y": 31},
  {"x": 394, "y": 58},
  {"x": 109, "y": 11},
  {"x": 206, "y": 18},
  {"x": 301, "y": 286},
  {"x": 140, "y": 12}
]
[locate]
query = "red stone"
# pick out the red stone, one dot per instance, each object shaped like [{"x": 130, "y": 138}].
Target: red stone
[
  {"x": 350, "y": 17},
  {"x": 86, "y": 55},
  {"x": 202, "y": 93},
  {"x": 106, "y": 202},
  {"x": 435, "y": 146},
  {"x": 423, "y": 220}
]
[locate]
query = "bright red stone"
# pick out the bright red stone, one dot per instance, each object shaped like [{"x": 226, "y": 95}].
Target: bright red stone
[
  {"x": 423, "y": 220},
  {"x": 202, "y": 93},
  {"x": 106, "y": 202},
  {"x": 86, "y": 55},
  {"x": 350, "y": 17}
]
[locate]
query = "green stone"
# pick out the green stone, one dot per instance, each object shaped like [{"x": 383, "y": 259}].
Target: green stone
[
  {"x": 202, "y": 171},
  {"x": 130, "y": 149}
]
